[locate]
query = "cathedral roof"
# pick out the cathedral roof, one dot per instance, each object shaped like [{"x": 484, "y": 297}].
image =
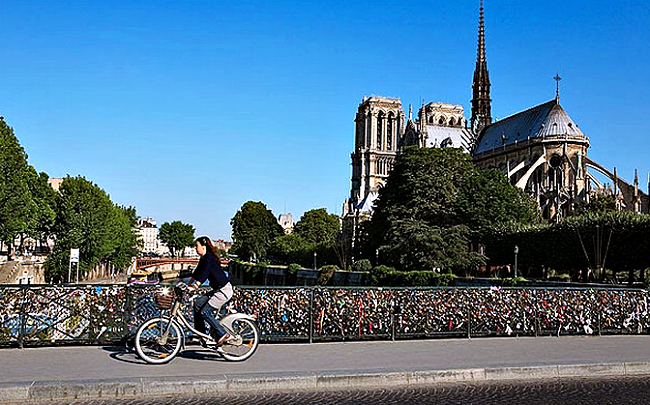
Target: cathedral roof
[
  {"x": 545, "y": 120},
  {"x": 444, "y": 136}
]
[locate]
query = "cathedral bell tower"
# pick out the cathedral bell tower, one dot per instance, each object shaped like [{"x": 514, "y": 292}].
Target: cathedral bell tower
[
  {"x": 481, "y": 102},
  {"x": 379, "y": 130}
]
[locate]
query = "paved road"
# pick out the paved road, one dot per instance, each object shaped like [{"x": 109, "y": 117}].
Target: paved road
[
  {"x": 112, "y": 372},
  {"x": 567, "y": 391}
]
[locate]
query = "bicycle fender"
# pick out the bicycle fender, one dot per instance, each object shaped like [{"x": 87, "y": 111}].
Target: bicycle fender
[{"x": 227, "y": 320}]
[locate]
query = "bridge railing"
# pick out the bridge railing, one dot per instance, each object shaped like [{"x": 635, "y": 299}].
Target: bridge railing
[
  {"x": 33, "y": 315},
  {"x": 146, "y": 262}
]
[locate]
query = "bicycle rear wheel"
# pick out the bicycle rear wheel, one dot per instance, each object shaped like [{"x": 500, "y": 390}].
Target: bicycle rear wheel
[
  {"x": 151, "y": 345},
  {"x": 244, "y": 344}
]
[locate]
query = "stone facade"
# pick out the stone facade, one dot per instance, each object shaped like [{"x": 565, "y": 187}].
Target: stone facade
[
  {"x": 286, "y": 222},
  {"x": 379, "y": 129}
]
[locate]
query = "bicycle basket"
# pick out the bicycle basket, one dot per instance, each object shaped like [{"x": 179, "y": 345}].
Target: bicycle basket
[{"x": 164, "y": 298}]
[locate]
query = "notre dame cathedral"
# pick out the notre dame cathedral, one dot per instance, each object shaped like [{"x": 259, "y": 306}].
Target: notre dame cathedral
[{"x": 541, "y": 150}]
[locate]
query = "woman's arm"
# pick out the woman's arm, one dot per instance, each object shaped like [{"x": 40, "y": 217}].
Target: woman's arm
[{"x": 193, "y": 285}]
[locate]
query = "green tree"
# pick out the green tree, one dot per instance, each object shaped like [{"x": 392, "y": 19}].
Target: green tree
[
  {"x": 87, "y": 219},
  {"x": 177, "y": 236},
  {"x": 16, "y": 203},
  {"x": 41, "y": 224},
  {"x": 416, "y": 210},
  {"x": 316, "y": 232},
  {"x": 616, "y": 241},
  {"x": 318, "y": 227},
  {"x": 362, "y": 265},
  {"x": 254, "y": 228},
  {"x": 433, "y": 204},
  {"x": 486, "y": 200},
  {"x": 290, "y": 248},
  {"x": 127, "y": 240},
  {"x": 599, "y": 204},
  {"x": 322, "y": 233}
]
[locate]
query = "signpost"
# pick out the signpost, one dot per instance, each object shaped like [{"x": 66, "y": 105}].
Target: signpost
[{"x": 74, "y": 258}]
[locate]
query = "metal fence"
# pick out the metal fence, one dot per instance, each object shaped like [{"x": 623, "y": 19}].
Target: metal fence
[{"x": 33, "y": 315}]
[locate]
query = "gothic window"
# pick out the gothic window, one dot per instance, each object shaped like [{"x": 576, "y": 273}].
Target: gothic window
[
  {"x": 380, "y": 124},
  {"x": 359, "y": 135},
  {"x": 452, "y": 122},
  {"x": 389, "y": 132},
  {"x": 431, "y": 120},
  {"x": 367, "y": 131},
  {"x": 441, "y": 121}
]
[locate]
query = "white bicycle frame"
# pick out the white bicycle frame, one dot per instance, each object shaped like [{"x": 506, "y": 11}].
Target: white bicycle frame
[{"x": 177, "y": 316}]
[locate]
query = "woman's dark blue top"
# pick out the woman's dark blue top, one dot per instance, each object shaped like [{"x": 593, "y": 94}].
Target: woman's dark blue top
[{"x": 210, "y": 269}]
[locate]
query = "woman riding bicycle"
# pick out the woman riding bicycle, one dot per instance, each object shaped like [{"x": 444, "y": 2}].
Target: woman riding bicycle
[{"x": 206, "y": 305}]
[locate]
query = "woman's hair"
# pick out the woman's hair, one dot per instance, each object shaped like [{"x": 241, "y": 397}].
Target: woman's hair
[{"x": 205, "y": 241}]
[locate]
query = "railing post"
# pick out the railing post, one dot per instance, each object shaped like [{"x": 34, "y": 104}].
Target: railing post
[
  {"x": 469, "y": 324},
  {"x": 311, "y": 315},
  {"x": 600, "y": 325},
  {"x": 126, "y": 311},
  {"x": 536, "y": 316},
  {"x": 392, "y": 315},
  {"x": 23, "y": 317}
]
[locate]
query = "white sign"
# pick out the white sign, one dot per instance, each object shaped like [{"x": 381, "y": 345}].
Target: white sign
[{"x": 74, "y": 255}]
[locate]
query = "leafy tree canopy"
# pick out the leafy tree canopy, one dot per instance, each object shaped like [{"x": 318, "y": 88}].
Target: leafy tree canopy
[
  {"x": 318, "y": 227},
  {"x": 290, "y": 248},
  {"x": 87, "y": 219},
  {"x": 127, "y": 240},
  {"x": 177, "y": 236},
  {"x": 317, "y": 232},
  {"x": 486, "y": 199},
  {"x": 599, "y": 204},
  {"x": 254, "y": 228},
  {"x": 434, "y": 203},
  {"x": 41, "y": 224},
  {"x": 16, "y": 204}
]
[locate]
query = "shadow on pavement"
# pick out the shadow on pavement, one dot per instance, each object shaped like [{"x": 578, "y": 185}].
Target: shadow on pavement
[
  {"x": 201, "y": 354},
  {"x": 124, "y": 354},
  {"x": 128, "y": 355}
]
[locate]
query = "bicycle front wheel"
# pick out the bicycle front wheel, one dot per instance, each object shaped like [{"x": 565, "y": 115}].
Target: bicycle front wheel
[
  {"x": 158, "y": 341},
  {"x": 244, "y": 344}
]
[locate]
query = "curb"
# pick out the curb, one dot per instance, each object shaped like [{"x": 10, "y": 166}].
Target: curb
[{"x": 150, "y": 387}]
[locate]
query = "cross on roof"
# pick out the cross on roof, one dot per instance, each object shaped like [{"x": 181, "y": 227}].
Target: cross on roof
[{"x": 557, "y": 86}]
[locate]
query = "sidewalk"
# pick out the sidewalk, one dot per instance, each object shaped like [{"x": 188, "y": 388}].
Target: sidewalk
[{"x": 112, "y": 372}]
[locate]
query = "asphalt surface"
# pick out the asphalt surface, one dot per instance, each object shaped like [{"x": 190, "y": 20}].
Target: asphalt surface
[{"x": 109, "y": 372}]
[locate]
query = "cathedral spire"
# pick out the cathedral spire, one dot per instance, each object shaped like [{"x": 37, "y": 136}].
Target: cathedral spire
[{"x": 481, "y": 102}]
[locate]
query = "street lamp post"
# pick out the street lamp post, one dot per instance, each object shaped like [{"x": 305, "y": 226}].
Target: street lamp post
[
  {"x": 516, "y": 252},
  {"x": 377, "y": 257},
  {"x": 315, "y": 254}
]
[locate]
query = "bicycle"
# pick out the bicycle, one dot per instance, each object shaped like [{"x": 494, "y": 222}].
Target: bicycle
[{"x": 159, "y": 340}]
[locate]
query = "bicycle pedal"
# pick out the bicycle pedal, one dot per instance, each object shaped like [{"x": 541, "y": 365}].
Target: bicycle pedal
[{"x": 207, "y": 344}]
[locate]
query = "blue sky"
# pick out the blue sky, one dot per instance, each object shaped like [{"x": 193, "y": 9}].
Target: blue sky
[{"x": 188, "y": 109}]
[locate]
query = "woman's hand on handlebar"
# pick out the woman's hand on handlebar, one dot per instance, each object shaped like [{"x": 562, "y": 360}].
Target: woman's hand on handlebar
[{"x": 182, "y": 288}]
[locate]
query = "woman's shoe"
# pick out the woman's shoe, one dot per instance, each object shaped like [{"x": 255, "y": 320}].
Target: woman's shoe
[{"x": 223, "y": 339}]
